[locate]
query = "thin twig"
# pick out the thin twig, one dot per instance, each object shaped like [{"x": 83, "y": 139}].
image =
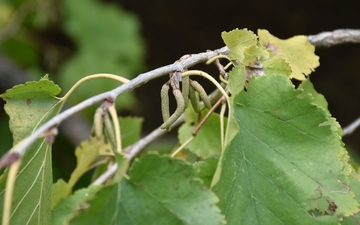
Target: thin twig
[
  {"x": 132, "y": 151},
  {"x": 135, "y": 149},
  {"x": 341, "y": 36},
  {"x": 349, "y": 129},
  {"x": 134, "y": 83}
]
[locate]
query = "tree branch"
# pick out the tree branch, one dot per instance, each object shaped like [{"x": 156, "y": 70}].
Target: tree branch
[
  {"x": 179, "y": 65},
  {"x": 341, "y": 36},
  {"x": 349, "y": 129},
  {"x": 75, "y": 129},
  {"x": 319, "y": 40},
  {"x": 133, "y": 150}
]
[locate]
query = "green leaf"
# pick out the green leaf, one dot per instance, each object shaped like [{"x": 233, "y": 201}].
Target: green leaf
[
  {"x": 59, "y": 191},
  {"x": 297, "y": 51},
  {"x": 123, "y": 165},
  {"x": 104, "y": 209},
  {"x": 201, "y": 146},
  {"x": 285, "y": 156},
  {"x": 237, "y": 78},
  {"x": 355, "y": 187},
  {"x": 130, "y": 130},
  {"x": 319, "y": 100},
  {"x": 73, "y": 205},
  {"x": 101, "y": 202},
  {"x": 108, "y": 41},
  {"x": 253, "y": 53},
  {"x": 308, "y": 88},
  {"x": 236, "y": 40},
  {"x": 160, "y": 191},
  {"x": 206, "y": 170},
  {"x": 87, "y": 154},
  {"x": 276, "y": 66},
  {"x": 170, "y": 189},
  {"x": 30, "y": 105}
]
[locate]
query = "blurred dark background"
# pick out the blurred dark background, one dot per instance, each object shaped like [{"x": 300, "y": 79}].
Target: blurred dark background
[{"x": 150, "y": 34}]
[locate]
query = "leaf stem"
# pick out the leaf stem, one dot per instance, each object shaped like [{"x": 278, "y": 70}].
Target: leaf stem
[
  {"x": 207, "y": 76},
  {"x": 182, "y": 146},
  {"x": 94, "y": 76},
  {"x": 222, "y": 112},
  {"x": 10, "y": 183},
  {"x": 115, "y": 120},
  {"x": 218, "y": 57}
]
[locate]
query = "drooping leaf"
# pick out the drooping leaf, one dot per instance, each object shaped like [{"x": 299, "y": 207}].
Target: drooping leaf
[
  {"x": 207, "y": 141},
  {"x": 284, "y": 155},
  {"x": 297, "y": 51},
  {"x": 236, "y": 40},
  {"x": 206, "y": 169},
  {"x": 30, "y": 105},
  {"x": 87, "y": 154},
  {"x": 237, "y": 78}
]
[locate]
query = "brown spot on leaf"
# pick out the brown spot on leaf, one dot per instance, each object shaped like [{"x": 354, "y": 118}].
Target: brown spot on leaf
[
  {"x": 272, "y": 47},
  {"x": 332, "y": 207}
]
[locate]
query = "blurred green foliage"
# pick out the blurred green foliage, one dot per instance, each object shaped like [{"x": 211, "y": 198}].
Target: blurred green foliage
[
  {"x": 107, "y": 41},
  {"x": 70, "y": 40}
]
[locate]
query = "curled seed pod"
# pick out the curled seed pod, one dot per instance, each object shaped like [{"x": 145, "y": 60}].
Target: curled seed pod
[
  {"x": 194, "y": 99},
  {"x": 98, "y": 122},
  {"x": 165, "y": 107},
  {"x": 185, "y": 89},
  {"x": 179, "y": 110},
  {"x": 110, "y": 130},
  {"x": 202, "y": 93}
]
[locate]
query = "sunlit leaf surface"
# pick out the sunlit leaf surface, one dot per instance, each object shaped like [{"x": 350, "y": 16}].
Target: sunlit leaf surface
[
  {"x": 286, "y": 165},
  {"x": 297, "y": 51}
]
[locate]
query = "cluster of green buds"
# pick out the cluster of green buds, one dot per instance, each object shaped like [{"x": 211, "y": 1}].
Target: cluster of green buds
[{"x": 191, "y": 91}]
